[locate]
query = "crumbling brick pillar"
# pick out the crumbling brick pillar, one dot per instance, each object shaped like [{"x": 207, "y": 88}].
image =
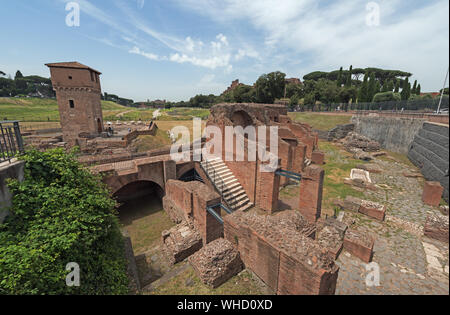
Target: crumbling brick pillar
[
  {"x": 432, "y": 193},
  {"x": 311, "y": 187},
  {"x": 318, "y": 158},
  {"x": 299, "y": 158},
  {"x": 210, "y": 229},
  {"x": 267, "y": 190}
]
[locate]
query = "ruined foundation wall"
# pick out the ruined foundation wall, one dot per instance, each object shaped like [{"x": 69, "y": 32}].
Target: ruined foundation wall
[
  {"x": 288, "y": 261},
  {"x": 394, "y": 134},
  {"x": 8, "y": 171},
  {"x": 430, "y": 152}
]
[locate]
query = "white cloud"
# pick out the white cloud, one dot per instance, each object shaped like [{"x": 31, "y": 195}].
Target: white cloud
[
  {"x": 324, "y": 35},
  {"x": 140, "y": 4},
  {"x": 137, "y": 51}
]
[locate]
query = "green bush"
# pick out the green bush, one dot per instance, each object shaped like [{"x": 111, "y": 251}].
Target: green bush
[
  {"x": 61, "y": 213},
  {"x": 386, "y": 97}
]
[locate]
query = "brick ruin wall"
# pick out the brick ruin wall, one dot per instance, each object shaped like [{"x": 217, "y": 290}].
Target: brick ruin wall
[
  {"x": 288, "y": 261},
  {"x": 187, "y": 201},
  {"x": 296, "y": 143}
]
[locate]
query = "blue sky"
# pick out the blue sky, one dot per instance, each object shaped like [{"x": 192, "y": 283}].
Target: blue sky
[{"x": 174, "y": 49}]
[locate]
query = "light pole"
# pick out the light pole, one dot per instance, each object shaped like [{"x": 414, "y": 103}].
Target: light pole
[{"x": 442, "y": 93}]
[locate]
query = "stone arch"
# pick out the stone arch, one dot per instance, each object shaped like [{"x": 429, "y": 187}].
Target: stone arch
[
  {"x": 138, "y": 188},
  {"x": 241, "y": 118}
]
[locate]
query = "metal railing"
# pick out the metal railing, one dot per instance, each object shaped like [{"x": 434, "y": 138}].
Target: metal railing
[
  {"x": 11, "y": 142},
  {"x": 218, "y": 182},
  {"x": 288, "y": 174}
]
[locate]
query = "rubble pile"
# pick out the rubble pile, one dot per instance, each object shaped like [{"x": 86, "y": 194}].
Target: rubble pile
[{"x": 216, "y": 262}]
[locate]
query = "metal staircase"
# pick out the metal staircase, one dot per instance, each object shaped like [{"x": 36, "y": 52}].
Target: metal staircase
[{"x": 226, "y": 184}]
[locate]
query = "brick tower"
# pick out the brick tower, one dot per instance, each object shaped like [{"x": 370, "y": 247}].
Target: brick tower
[{"x": 78, "y": 93}]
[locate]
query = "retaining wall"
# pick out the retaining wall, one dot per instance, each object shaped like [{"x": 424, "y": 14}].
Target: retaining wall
[
  {"x": 394, "y": 134},
  {"x": 429, "y": 151},
  {"x": 12, "y": 170}
]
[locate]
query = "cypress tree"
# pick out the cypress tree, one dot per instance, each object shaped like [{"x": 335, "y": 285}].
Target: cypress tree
[
  {"x": 414, "y": 88},
  {"x": 348, "y": 83},
  {"x": 362, "y": 94},
  {"x": 339, "y": 79},
  {"x": 390, "y": 86},
  {"x": 372, "y": 87},
  {"x": 406, "y": 90},
  {"x": 397, "y": 86},
  {"x": 418, "y": 90}
]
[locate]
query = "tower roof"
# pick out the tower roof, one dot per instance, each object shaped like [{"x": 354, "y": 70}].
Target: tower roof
[{"x": 72, "y": 65}]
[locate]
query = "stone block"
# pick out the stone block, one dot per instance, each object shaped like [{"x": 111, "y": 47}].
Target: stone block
[
  {"x": 180, "y": 242},
  {"x": 216, "y": 263},
  {"x": 359, "y": 245},
  {"x": 432, "y": 193},
  {"x": 352, "y": 203},
  {"x": 373, "y": 210},
  {"x": 436, "y": 227}
]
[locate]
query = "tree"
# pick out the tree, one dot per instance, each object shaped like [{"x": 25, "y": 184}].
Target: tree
[
  {"x": 348, "y": 82},
  {"x": 339, "y": 79},
  {"x": 390, "y": 86},
  {"x": 19, "y": 75},
  {"x": 397, "y": 86},
  {"x": 61, "y": 213},
  {"x": 371, "y": 90},
  {"x": 418, "y": 91},
  {"x": 243, "y": 94},
  {"x": 406, "y": 90},
  {"x": 363, "y": 91},
  {"x": 270, "y": 87},
  {"x": 414, "y": 88},
  {"x": 386, "y": 97}
]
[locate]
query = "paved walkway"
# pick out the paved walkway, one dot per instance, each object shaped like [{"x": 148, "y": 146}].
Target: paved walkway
[{"x": 408, "y": 262}]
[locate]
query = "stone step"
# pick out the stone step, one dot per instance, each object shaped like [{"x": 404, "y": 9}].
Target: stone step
[
  {"x": 236, "y": 190},
  {"x": 232, "y": 200},
  {"x": 245, "y": 207},
  {"x": 240, "y": 205}
]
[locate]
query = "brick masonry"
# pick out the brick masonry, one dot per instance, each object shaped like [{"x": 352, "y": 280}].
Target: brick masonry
[
  {"x": 432, "y": 193},
  {"x": 311, "y": 188},
  {"x": 78, "y": 93},
  {"x": 287, "y": 260}
]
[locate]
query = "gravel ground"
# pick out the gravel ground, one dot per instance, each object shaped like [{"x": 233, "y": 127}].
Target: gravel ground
[{"x": 408, "y": 262}]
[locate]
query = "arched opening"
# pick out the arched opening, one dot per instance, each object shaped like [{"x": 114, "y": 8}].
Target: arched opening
[
  {"x": 99, "y": 125},
  {"x": 241, "y": 118},
  {"x": 191, "y": 176},
  {"x": 141, "y": 213}
]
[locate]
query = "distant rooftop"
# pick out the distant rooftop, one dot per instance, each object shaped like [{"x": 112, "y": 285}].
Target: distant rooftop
[{"x": 72, "y": 65}]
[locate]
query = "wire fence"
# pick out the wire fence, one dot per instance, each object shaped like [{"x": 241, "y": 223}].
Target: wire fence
[{"x": 425, "y": 105}]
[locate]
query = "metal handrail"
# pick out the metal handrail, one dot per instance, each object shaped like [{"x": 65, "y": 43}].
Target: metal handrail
[
  {"x": 11, "y": 142},
  {"x": 217, "y": 181}
]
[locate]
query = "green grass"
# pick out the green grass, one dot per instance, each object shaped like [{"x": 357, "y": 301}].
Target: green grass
[
  {"x": 45, "y": 110},
  {"x": 321, "y": 121},
  {"x": 144, "y": 220},
  {"x": 42, "y": 110},
  {"x": 146, "y": 143},
  {"x": 241, "y": 284},
  {"x": 338, "y": 166}
]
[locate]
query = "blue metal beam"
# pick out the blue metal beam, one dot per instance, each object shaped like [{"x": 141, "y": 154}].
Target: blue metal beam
[{"x": 214, "y": 214}]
